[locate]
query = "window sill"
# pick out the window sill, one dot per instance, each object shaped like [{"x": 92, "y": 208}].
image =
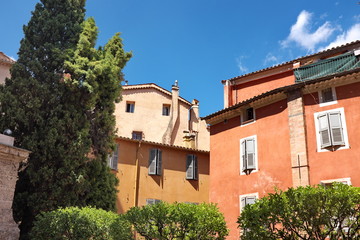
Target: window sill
[
  {"x": 328, "y": 103},
  {"x": 248, "y": 122}
]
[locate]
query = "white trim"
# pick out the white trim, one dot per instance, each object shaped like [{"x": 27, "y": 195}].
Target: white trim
[
  {"x": 342, "y": 180},
  {"x": 322, "y": 103},
  {"x": 343, "y": 122},
  {"x": 256, "y": 194},
  {"x": 256, "y": 154}
]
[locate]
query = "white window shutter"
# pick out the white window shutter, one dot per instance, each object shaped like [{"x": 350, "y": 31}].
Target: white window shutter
[
  {"x": 243, "y": 155},
  {"x": 250, "y": 200},
  {"x": 337, "y": 136},
  {"x": 243, "y": 202},
  {"x": 114, "y": 158},
  {"x": 324, "y": 130},
  {"x": 152, "y": 162},
  {"x": 159, "y": 162},
  {"x": 250, "y": 153},
  {"x": 195, "y": 168},
  {"x": 150, "y": 201},
  {"x": 189, "y": 167}
]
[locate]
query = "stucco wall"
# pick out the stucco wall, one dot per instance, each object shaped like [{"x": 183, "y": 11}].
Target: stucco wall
[
  {"x": 273, "y": 149},
  {"x": 340, "y": 163},
  {"x": 4, "y": 72},
  {"x": 171, "y": 186}
]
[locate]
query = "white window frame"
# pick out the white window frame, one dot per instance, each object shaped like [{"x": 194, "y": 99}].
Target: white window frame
[
  {"x": 191, "y": 167},
  {"x": 113, "y": 158},
  {"x": 256, "y": 195},
  {"x": 322, "y": 103},
  {"x": 242, "y": 117},
  {"x": 346, "y": 181},
  {"x": 344, "y": 129},
  {"x": 254, "y": 137},
  {"x": 156, "y": 162},
  {"x": 131, "y": 105}
]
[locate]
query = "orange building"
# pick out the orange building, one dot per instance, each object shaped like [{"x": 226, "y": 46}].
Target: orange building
[
  {"x": 162, "y": 148},
  {"x": 289, "y": 125}
]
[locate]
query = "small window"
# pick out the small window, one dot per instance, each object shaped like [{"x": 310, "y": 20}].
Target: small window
[
  {"x": 137, "y": 135},
  {"x": 150, "y": 201},
  {"x": 166, "y": 110},
  {"x": 191, "y": 167},
  {"x": 248, "y": 153},
  {"x": 247, "y": 200},
  {"x": 130, "y": 107},
  {"x": 113, "y": 159},
  {"x": 155, "y": 162},
  {"x": 248, "y": 115},
  {"x": 329, "y": 183},
  {"x": 327, "y": 96}
]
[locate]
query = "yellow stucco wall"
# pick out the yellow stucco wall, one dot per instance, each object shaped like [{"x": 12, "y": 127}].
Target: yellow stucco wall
[{"x": 171, "y": 186}]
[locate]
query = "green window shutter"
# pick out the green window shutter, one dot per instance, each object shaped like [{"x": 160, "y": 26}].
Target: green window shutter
[
  {"x": 189, "y": 167},
  {"x": 250, "y": 153},
  {"x": 159, "y": 162},
  {"x": 324, "y": 130},
  {"x": 243, "y": 155},
  {"x": 152, "y": 161},
  {"x": 337, "y": 136}
]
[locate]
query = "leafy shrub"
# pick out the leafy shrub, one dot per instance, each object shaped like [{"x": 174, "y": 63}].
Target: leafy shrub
[
  {"x": 183, "y": 221},
  {"x": 304, "y": 213},
  {"x": 81, "y": 224}
]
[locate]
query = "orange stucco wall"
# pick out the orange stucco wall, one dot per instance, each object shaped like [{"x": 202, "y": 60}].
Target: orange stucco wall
[
  {"x": 253, "y": 88},
  {"x": 226, "y": 183},
  {"x": 4, "y": 72},
  {"x": 340, "y": 163},
  {"x": 171, "y": 186}
]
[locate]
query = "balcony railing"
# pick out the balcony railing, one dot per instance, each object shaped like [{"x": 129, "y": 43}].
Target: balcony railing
[{"x": 326, "y": 67}]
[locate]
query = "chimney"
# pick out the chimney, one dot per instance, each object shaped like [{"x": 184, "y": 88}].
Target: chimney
[
  {"x": 6, "y": 138},
  {"x": 175, "y": 103}
]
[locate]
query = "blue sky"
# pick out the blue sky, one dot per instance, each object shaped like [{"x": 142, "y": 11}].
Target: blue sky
[{"x": 201, "y": 42}]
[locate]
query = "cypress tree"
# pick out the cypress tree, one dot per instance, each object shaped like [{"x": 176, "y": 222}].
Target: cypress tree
[{"x": 59, "y": 103}]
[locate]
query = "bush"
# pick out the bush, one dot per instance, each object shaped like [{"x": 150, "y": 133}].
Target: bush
[
  {"x": 304, "y": 213},
  {"x": 81, "y": 224},
  {"x": 183, "y": 221}
]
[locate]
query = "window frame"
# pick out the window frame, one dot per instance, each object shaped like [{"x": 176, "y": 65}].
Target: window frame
[
  {"x": 114, "y": 159},
  {"x": 193, "y": 172},
  {"x": 242, "y": 153},
  {"x": 155, "y": 162},
  {"x": 151, "y": 201},
  {"x": 248, "y": 195},
  {"x": 244, "y": 121},
  {"x": 324, "y": 103},
  {"x": 166, "y": 109},
  {"x": 130, "y": 107},
  {"x": 330, "y": 181},
  {"x": 331, "y": 147},
  {"x": 137, "y": 133}
]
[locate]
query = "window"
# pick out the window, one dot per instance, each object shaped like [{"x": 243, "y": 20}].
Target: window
[
  {"x": 331, "y": 130},
  {"x": 166, "y": 110},
  {"x": 130, "y": 107},
  {"x": 328, "y": 183},
  {"x": 155, "y": 161},
  {"x": 247, "y": 199},
  {"x": 327, "y": 96},
  {"x": 248, "y": 155},
  {"x": 137, "y": 135},
  {"x": 248, "y": 115},
  {"x": 113, "y": 159},
  {"x": 191, "y": 167},
  {"x": 150, "y": 201}
]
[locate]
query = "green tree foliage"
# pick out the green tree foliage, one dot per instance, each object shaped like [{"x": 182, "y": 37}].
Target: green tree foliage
[
  {"x": 165, "y": 221},
  {"x": 81, "y": 224},
  {"x": 59, "y": 103},
  {"x": 317, "y": 213}
]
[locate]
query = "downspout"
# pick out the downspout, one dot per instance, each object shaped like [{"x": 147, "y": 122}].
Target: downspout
[{"x": 136, "y": 180}]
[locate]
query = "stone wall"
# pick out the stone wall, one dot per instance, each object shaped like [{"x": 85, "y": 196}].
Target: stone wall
[{"x": 10, "y": 157}]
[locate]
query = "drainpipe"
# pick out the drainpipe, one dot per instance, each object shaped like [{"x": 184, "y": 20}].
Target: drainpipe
[{"x": 137, "y": 173}]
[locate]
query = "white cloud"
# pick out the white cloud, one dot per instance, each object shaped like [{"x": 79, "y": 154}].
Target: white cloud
[
  {"x": 240, "y": 64},
  {"x": 352, "y": 34},
  {"x": 271, "y": 59},
  {"x": 301, "y": 34}
]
